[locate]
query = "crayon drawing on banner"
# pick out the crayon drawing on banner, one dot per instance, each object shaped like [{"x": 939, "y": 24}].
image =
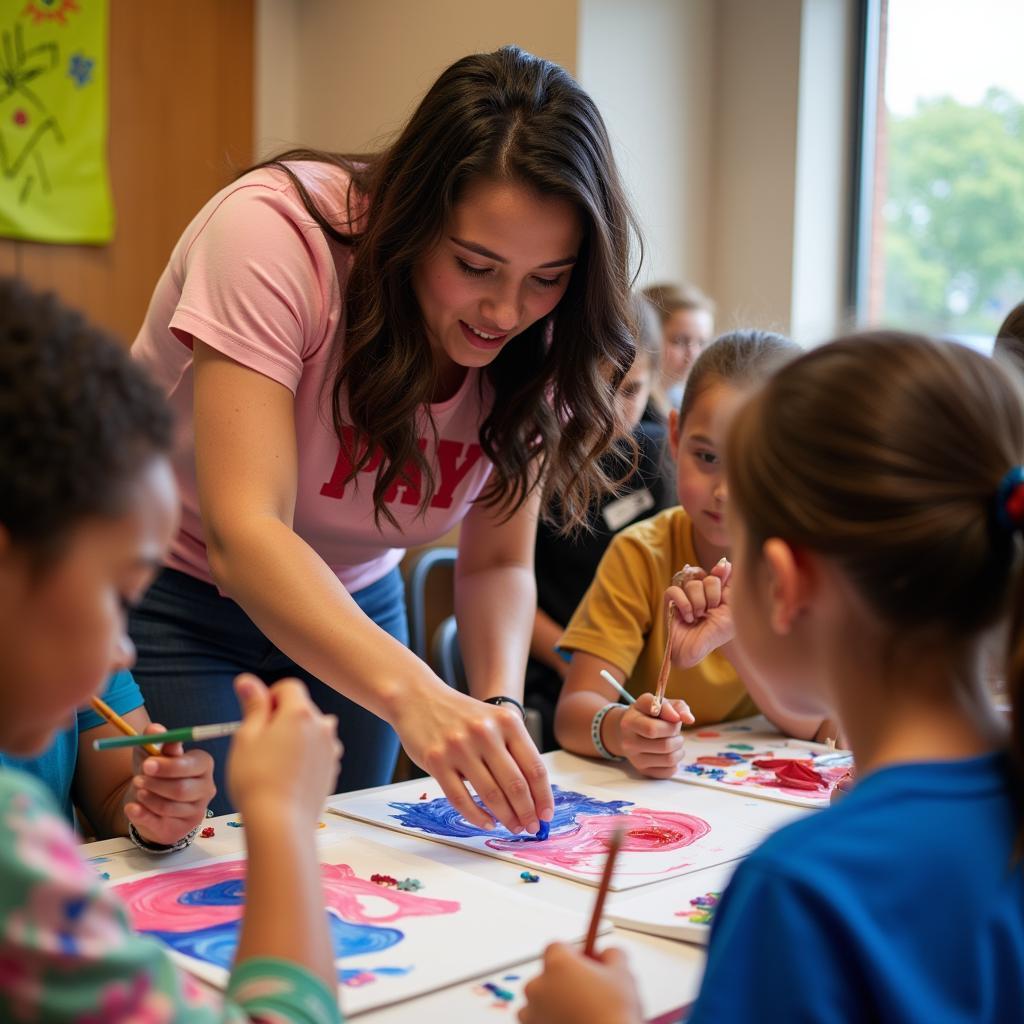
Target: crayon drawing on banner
[
  {"x": 54, "y": 185},
  {"x": 660, "y": 841},
  {"x": 745, "y": 757},
  {"x": 390, "y": 943}
]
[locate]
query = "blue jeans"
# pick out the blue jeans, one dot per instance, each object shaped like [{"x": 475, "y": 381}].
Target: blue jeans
[{"x": 191, "y": 643}]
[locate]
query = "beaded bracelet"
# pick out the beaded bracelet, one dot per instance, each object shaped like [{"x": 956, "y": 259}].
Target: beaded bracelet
[
  {"x": 145, "y": 844},
  {"x": 595, "y": 733}
]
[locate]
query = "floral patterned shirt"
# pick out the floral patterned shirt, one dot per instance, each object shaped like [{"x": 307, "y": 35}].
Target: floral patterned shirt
[{"x": 67, "y": 952}]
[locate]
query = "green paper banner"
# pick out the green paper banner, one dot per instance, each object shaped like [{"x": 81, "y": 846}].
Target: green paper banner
[{"x": 54, "y": 185}]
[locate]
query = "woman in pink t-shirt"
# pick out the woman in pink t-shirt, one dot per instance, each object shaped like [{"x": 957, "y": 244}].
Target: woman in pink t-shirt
[{"x": 362, "y": 355}]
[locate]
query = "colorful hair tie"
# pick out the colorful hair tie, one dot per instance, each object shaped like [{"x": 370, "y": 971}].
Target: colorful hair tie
[{"x": 1010, "y": 500}]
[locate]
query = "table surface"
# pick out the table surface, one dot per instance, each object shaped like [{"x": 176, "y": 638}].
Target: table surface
[{"x": 668, "y": 972}]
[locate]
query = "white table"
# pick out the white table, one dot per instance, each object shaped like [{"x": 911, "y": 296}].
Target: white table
[{"x": 668, "y": 972}]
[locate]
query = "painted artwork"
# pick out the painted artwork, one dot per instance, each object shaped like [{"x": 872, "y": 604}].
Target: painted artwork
[
  {"x": 54, "y": 185},
  {"x": 682, "y": 908},
  {"x": 751, "y": 757},
  {"x": 660, "y": 841},
  {"x": 394, "y": 919}
]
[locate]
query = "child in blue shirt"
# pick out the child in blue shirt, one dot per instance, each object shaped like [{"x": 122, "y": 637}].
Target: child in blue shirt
[
  {"x": 877, "y": 505},
  {"x": 158, "y": 802},
  {"x": 88, "y": 506}
]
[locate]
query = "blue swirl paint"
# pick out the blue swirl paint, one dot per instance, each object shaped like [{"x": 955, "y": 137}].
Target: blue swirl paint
[
  {"x": 439, "y": 818},
  {"x": 216, "y": 944},
  {"x": 229, "y": 893}
]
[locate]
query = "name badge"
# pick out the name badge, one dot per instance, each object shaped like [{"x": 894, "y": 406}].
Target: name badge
[{"x": 624, "y": 510}]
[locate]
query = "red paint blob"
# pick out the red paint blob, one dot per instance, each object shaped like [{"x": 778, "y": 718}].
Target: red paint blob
[
  {"x": 20, "y": 118},
  {"x": 716, "y": 762},
  {"x": 793, "y": 774}
]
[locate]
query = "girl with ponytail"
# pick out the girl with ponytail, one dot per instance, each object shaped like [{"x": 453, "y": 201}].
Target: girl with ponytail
[{"x": 877, "y": 501}]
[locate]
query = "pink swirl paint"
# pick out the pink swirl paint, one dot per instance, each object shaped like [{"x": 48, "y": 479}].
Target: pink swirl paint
[
  {"x": 583, "y": 848},
  {"x": 162, "y": 902}
]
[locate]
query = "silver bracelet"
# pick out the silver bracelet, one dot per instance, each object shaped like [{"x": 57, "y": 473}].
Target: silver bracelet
[
  {"x": 160, "y": 848},
  {"x": 595, "y": 733}
]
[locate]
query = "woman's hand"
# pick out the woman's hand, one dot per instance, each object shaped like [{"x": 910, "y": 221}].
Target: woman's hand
[
  {"x": 654, "y": 746},
  {"x": 458, "y": 739},
  {"x": 284, "y": 758},
  {"x": 703, "y": 619},
  {"x": 169, "y": 794},
  {"x": 575, "y": 989}
]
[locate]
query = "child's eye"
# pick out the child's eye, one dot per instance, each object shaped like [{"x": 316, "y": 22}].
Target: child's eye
[
  {"x": 470, "y": 270},
  {"x": 708, "y": 458}
]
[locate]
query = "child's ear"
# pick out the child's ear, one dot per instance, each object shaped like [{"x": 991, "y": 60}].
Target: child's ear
[
  {"x": 673, "y": 433},
  {"x": 790, "y": 582}
]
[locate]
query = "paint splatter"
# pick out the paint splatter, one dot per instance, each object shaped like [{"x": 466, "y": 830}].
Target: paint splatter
[
  {"x": 235, "y": 824},
  {"x": 207, "y": 833},
  {"x": 497, "y": 990},
  {"x": 580, "y": 830},
  {"x": 702, "y": 908},
  {"x": 197, "y": 912},
  {"x": 439, "y": 818},
  {"x": 739, "y": 746},
  {"x": 529, "y": 876}
]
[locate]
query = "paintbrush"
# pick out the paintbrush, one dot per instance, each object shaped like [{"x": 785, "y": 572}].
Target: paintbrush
[
  {"x": 617, "y": 686},
  {"x": 187, "y": 734},
  {"x": 106, "y": 712},
  {"x": 666, "y": 666},
  {"x": 679, "y": 579},
  {"x": 614, "y": 845}
]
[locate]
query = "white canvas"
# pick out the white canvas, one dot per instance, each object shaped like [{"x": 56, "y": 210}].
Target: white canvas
[
  {"x": 397, "y": 944},
  {"x": 723, "y": 756},
  {"x": 664, "y": 838},
  {"x": 682, "y": 908}
]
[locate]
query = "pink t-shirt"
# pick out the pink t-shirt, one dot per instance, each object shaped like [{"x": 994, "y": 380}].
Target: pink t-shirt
[{"x": 256, "y": 278}]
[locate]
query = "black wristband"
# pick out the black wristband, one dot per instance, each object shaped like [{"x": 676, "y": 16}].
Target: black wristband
[{"x": 498, "y": 701}]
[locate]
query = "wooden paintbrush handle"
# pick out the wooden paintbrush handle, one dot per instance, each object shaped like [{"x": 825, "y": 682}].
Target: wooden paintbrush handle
[{"x": 666, "y": 666}]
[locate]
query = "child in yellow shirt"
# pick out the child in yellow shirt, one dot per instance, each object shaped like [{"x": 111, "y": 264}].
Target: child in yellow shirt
[{"x": 622, "y": 623}]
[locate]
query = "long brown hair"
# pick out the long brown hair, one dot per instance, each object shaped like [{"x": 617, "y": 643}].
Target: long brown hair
[
  {"x": 886, "y": 452},
  {"x": 503, "y": 115},
  {"x": 1010, "y": 336}
]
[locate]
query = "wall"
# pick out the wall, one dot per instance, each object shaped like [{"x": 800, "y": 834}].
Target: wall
[
  {"x": 364, "y": 64},
  {"x": 181, "y": 105},
  {"x": 757, "y": 52},
  {"x": 729, "y": 119},
  {"x": 649, "y": 74}
]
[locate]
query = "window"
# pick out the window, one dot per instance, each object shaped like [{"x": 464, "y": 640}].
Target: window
[{"x": 939, "y": 223}]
